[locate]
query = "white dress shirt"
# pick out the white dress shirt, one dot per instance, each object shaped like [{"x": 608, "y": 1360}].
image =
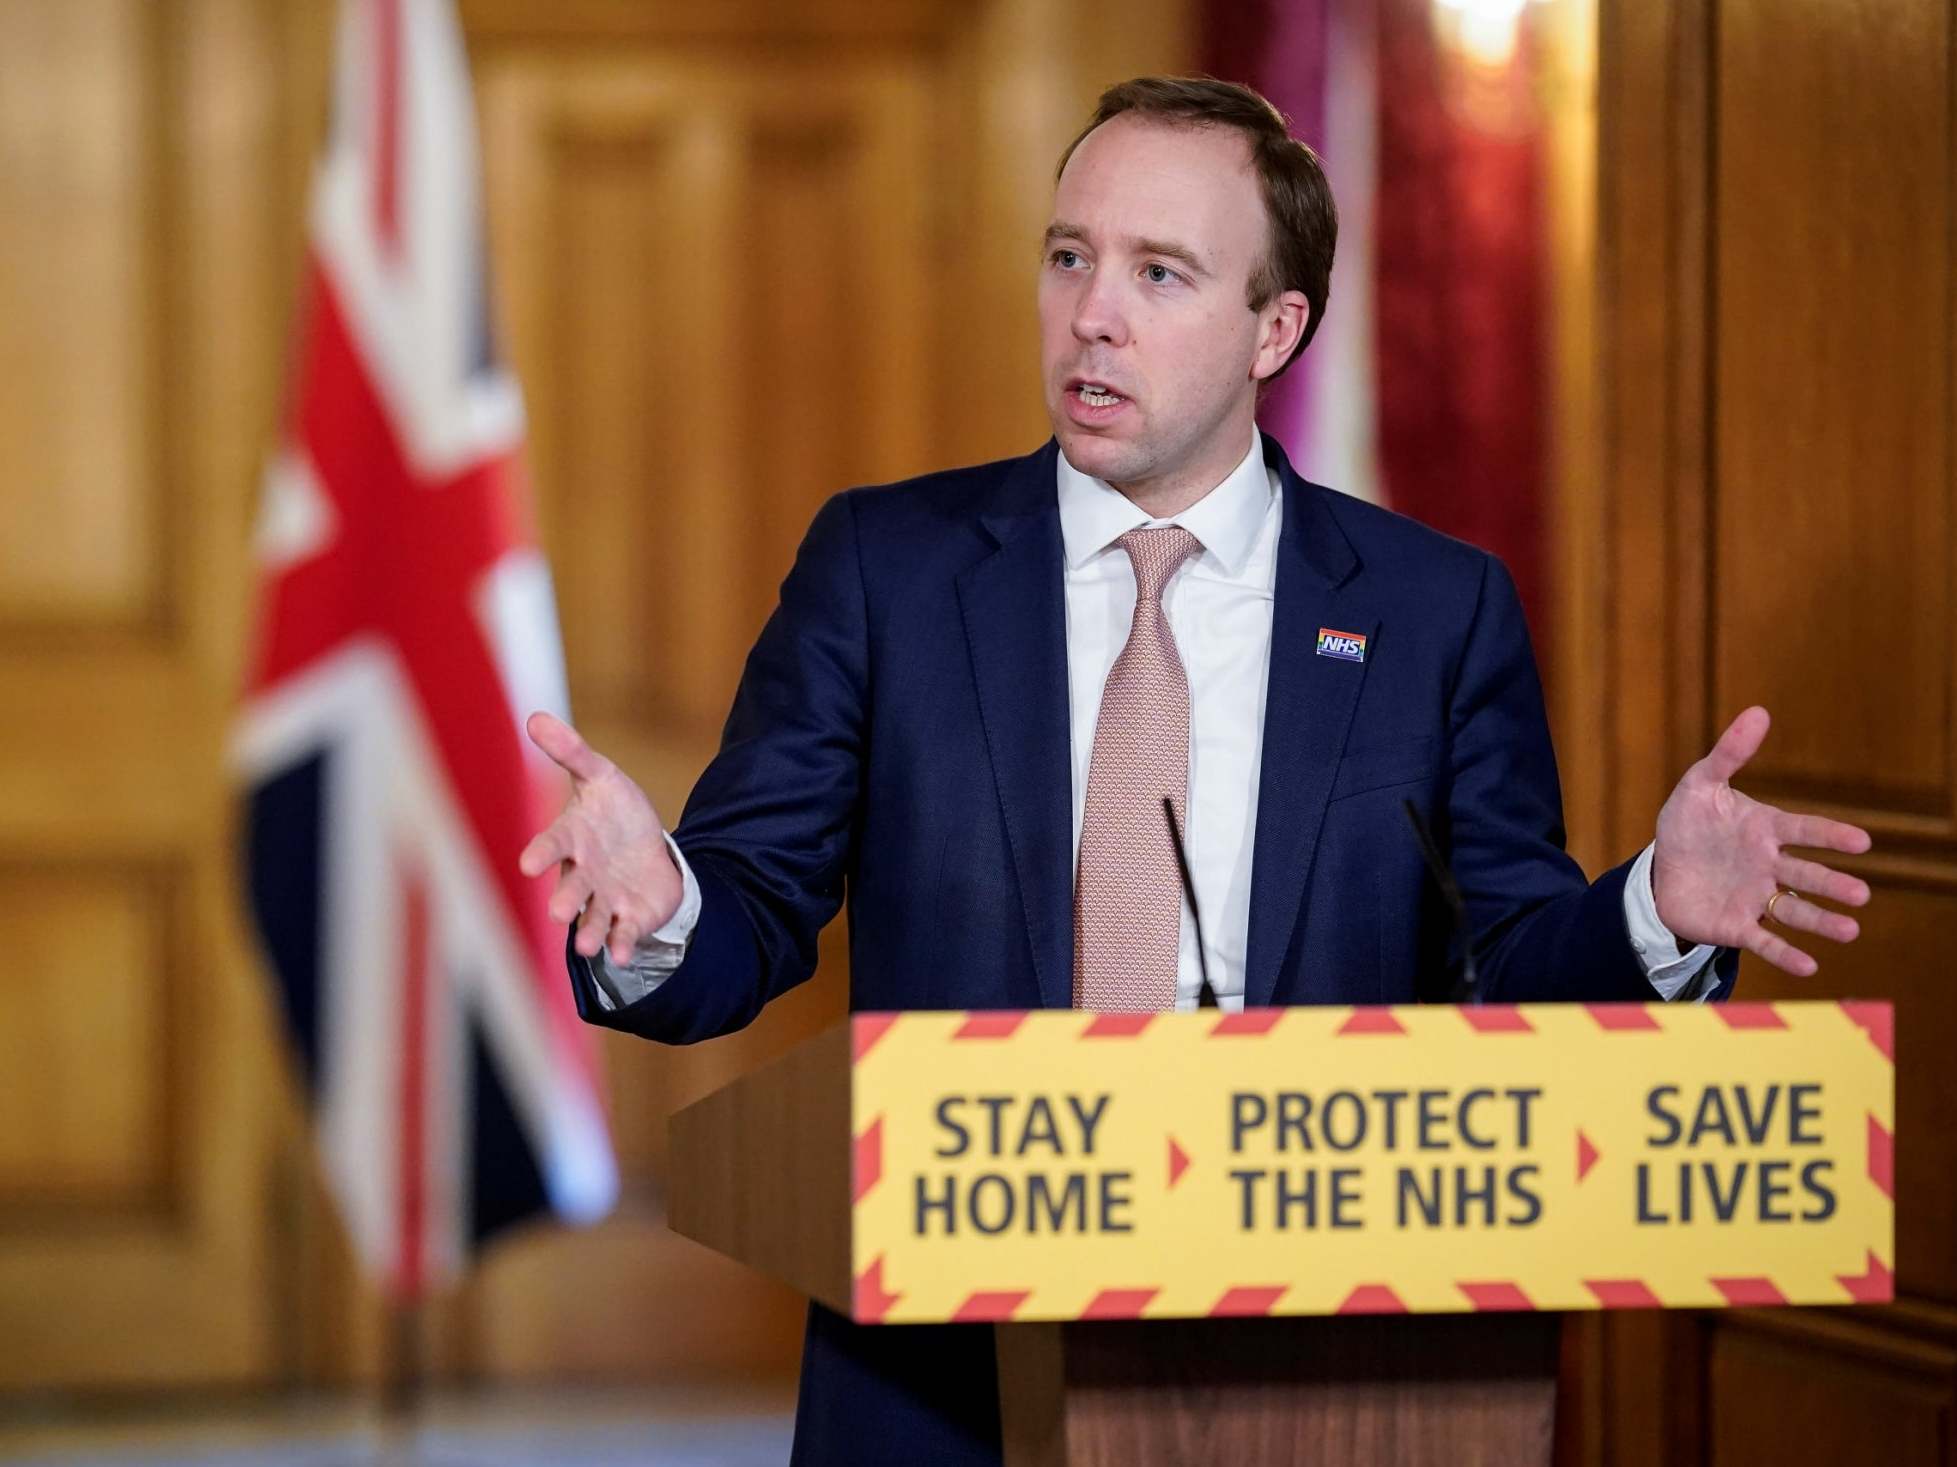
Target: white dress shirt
[{"x": 1219, "y": 605}]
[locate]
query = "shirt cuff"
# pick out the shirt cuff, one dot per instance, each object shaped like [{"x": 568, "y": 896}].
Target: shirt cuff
[
  {"x": 1674, "y": 975},
  {"x": 657, "y": 955}
]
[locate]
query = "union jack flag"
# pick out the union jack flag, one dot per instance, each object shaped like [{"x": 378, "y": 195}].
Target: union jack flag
[{"x": 406, "y": 626}]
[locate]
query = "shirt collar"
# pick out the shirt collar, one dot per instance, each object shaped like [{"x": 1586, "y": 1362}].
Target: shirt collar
[{"x": 1094, "y": 514}]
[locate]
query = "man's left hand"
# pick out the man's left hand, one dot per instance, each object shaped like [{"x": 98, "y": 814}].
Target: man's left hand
[{"x": 1721, "y": 856}]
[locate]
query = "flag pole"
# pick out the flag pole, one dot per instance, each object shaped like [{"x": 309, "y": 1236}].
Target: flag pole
[
  {"x": 394, "y": 243},
  {"x": 401, "y": 1388}
]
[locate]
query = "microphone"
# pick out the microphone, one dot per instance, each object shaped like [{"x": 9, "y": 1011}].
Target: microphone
[
  {"x": 1205, "y": 995},
  {"x": 1467, "y": 988}
]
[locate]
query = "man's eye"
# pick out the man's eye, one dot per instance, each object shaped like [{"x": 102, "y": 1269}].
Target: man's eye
[
  {"x": 1066, "y": 259},
  {"x": 1158, "y": 274}
]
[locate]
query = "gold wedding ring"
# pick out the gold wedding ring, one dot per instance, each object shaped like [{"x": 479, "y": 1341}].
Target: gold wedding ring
[{"x": 1779, "y": 892}]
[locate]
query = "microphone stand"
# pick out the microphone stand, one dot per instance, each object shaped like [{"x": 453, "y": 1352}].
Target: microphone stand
[{"x": 1205, "y": 995}]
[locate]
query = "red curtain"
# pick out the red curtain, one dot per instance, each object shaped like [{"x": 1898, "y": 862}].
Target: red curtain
[{"x": 1460, "y": 258}]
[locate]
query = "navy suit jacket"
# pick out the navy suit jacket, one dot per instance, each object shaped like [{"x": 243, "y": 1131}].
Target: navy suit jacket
[{"x": 900, "y": 740}]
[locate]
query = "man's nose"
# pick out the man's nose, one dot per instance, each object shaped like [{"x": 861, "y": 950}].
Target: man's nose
[{"x": 1098, "y": 316}]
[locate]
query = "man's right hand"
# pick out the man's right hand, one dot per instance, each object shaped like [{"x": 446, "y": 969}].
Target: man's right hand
[{"x": 608, "y": 846}]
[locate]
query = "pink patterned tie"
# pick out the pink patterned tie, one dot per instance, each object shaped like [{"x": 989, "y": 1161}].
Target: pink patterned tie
[{"x": 1128, "y": 895}]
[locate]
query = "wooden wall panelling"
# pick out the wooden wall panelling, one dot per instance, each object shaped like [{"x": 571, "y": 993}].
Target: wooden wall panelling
[
  {"x": 1832, "y": 324},
  {"x": 1647, "y": 223},
  {"x": 1821, "y": 1388},
  {"x": 1776, "y": 342}
]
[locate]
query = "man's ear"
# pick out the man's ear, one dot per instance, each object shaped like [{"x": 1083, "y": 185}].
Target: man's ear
[{"x": 1283, "y": 326}]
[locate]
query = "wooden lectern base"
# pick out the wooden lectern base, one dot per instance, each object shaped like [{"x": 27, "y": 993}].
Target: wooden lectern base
[{"x": 1365, "y": 1391}]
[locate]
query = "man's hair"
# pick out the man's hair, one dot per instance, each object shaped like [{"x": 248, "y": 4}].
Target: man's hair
[{"x": 1298, "y": 200}]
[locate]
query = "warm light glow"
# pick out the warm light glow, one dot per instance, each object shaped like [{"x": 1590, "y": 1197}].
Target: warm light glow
[{"x": 1485, "y": 30}]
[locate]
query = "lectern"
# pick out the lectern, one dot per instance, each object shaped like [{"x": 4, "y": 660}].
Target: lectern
[{"x": 1309, "y": 1235}]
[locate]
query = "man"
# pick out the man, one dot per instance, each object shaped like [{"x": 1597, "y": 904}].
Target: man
[{"x": 980, "y": 686}]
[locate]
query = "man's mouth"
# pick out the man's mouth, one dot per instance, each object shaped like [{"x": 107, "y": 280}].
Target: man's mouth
[{"x": 1097, "y": 394}]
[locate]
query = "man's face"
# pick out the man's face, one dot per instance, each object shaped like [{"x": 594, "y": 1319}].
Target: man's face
[{"x": 1150, "y": 356}]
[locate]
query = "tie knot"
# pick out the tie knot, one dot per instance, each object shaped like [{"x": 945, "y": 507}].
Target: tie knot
[{"x": 1156, "y": 555}]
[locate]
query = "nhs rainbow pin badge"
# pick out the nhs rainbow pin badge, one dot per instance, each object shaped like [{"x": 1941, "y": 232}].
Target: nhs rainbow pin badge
[{"x": 1349, "y": 646}]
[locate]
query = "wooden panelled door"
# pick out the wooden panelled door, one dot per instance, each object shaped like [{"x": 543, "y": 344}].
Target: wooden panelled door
[
  {"x": 1777, "y": 519},
  {"x": 142, "y": 273}
]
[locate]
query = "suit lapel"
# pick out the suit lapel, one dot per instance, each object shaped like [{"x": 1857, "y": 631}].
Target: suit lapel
[
  {"x": 1308, "y": 711},
  {"x": 1016, "y": 626}
]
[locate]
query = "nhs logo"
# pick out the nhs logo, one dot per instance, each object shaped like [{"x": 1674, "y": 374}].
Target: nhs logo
[{"x": 1348, "y": 645}]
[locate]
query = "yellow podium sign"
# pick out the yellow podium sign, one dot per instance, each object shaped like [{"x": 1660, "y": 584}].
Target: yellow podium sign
[{"x": 1067, "y": 1165}]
